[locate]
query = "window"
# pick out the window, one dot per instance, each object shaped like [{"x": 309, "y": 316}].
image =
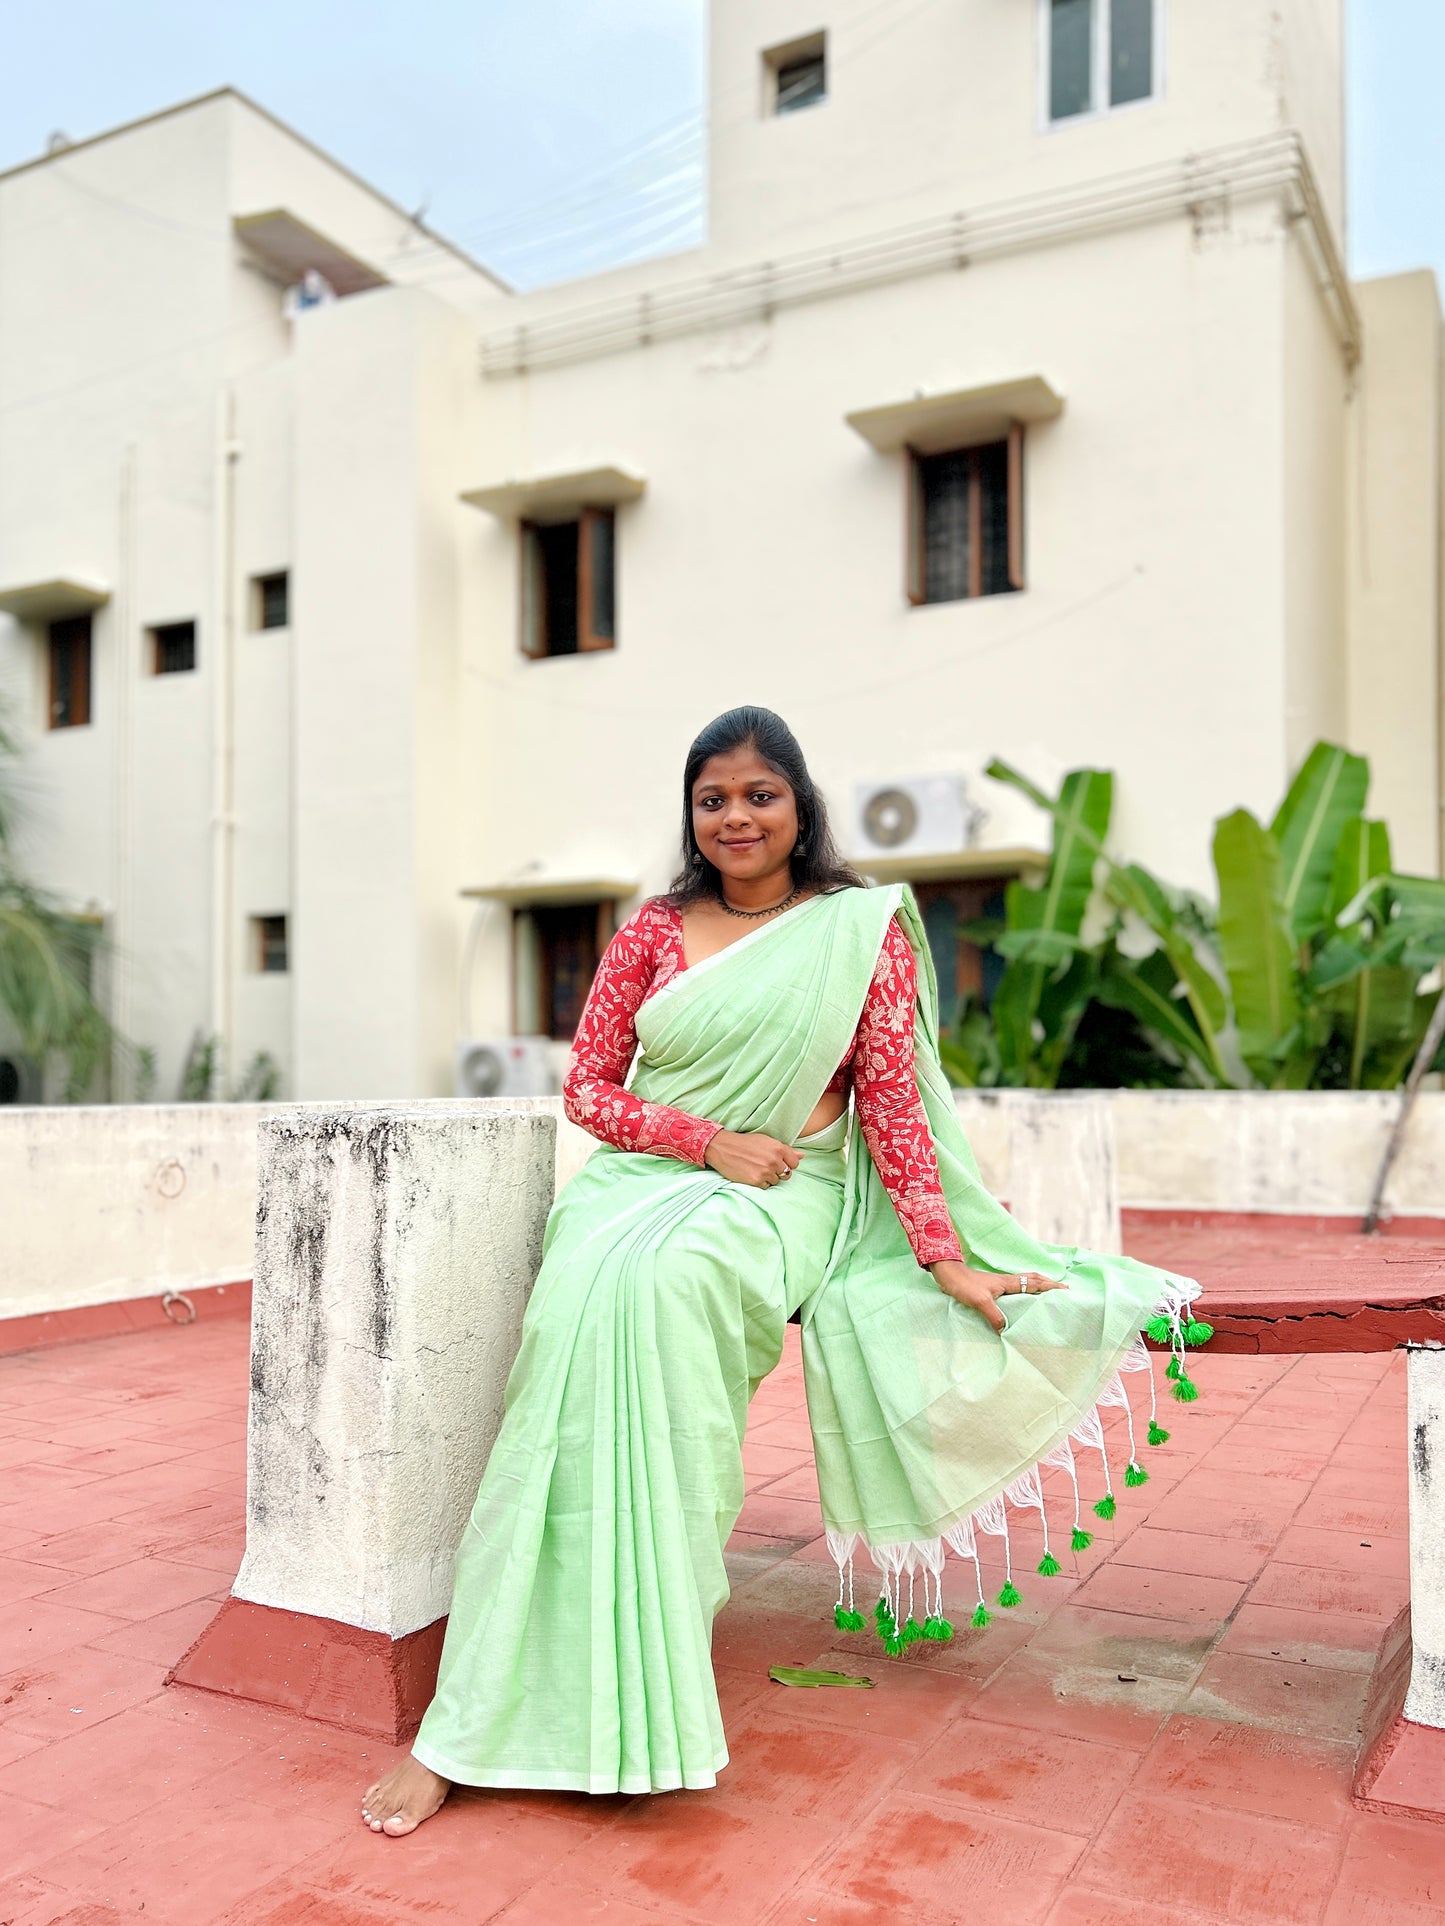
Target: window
[
  {"x": 1100, "y": 54},
  {"x": 173, "y": 648},
  {"x": 69, "y": 649},
  {"x": 558, "y": 947},
  {"x": 796, "y": 75},
  {"x": 963, "y": 966},
  {"x": 270, "y": 601},
  {"x": 965, "y": 521},
  {"x": 569, "y": 584},
  {"x": 268, "y": 945}
]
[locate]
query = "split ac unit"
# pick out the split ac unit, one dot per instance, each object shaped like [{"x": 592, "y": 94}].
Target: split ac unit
[
  {"x": 914, "y": 816},
  {"x": 504, "y": 1067}
]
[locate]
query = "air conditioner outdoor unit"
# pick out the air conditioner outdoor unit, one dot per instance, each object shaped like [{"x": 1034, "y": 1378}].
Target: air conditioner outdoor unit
[
  {"x": 914, "y": 816},
  {"x": 504, "y": 1067}
]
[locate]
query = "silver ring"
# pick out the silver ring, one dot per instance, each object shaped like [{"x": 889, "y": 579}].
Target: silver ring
[{"x": 1024, "y": 1285}]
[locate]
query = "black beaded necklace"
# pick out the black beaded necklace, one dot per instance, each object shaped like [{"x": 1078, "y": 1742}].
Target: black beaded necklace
[{"x": 773, "y": 909}]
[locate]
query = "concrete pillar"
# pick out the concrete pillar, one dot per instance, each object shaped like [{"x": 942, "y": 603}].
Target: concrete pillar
[
  {"x": 1425, "y": 1700},
  {"x": 1051, "y": 1158},
  {"x": 1401, "y": 1768},
  {"x": 395, "y": 1252}
]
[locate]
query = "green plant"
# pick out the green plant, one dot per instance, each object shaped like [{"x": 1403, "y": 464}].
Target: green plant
[
  {"x": 201, "y": 1074},
  {"x": 47, "y": 959},
  {"x": 1307, "y": 975}
]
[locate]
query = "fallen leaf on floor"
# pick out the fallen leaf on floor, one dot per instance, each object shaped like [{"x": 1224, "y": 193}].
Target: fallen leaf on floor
[{"x": 799, "y": 1675}]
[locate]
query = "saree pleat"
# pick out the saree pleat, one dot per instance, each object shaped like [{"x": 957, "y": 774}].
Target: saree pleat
[{"x": 578, "y": 1649}]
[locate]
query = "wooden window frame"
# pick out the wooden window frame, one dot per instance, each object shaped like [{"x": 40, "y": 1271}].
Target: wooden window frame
[
  {"x": 915, "y": 582},
  {"x": 532, "y": 598},
  {"x": 258, "y": 942},
  {"x": 258, "y": 600},
  {"x": 153, "y": 638},
  {"x": 82, "y": 672},
  {"x": 541, "y": 991}
]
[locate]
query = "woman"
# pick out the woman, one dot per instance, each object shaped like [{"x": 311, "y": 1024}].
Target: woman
[{"x": 731, "y": 1189}]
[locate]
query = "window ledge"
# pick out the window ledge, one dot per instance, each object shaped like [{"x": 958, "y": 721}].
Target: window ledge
[
  {"x": 933, "y": 424},
  {"x": 951, "y": 865},
  {"x": 523, "y": 893},
  {"x": 557, "y": 496},
  {"x": 45, "y": 601}
]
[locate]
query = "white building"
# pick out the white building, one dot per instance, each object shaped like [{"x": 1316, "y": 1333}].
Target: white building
[{"x": 1018, "y": 404}]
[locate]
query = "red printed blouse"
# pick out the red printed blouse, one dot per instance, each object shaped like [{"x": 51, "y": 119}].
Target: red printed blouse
[{"x": 645, "y": 954}]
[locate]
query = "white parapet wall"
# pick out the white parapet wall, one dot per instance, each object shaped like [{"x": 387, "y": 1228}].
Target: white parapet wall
[
  {"x": 100, "y": 1204},
  {"x": 103, "y": 1203},
  {"x": 1307, "y": 1152},
  {"x": 396, "y": 1249},
  {"x": 1051, "y": 1159}
]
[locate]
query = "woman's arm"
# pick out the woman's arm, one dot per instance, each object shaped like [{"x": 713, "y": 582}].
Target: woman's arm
[
  {"x": 593, "y": 1092},
  {"x": 890, "y": 1110}
]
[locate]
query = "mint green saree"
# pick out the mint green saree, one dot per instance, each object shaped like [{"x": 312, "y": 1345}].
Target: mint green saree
[{"x": 578, "y": 1649}]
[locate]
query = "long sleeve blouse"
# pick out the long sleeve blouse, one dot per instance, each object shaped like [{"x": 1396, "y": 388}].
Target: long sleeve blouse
[{"x": 645, "y": 954}]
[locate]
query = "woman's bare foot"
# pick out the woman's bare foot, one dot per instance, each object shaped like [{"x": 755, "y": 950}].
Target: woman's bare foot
[{"x": 404, "y": 1797}]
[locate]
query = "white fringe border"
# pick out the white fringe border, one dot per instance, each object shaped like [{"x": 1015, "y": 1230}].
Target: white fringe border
[{"x": 921, "y": 1559}]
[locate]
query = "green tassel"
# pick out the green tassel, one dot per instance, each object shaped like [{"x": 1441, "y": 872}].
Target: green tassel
[
  {"x": 882, "y": 1610},
  {"x": 1049, "y": 1566},
  {"x": 1010, "y": 1596},
  {"x": 1197, "y": 1333},
  {"x": 1106, "y": 1506},
  {"x": 1186, "y": 1390},
  {"x": 1135, "y": 1474},
  {"x": 847, "y": 1621},
  {"x": 1082, "y": 1539},
  {"x": 1160, "y": 1329},
  {"x": 1157, "y": 1434},
  {"x": 980, "y": 1617},
  {"x": 1173, "y": 1368},
  {"x": 939, "y": 1629},
  {"x": 893, "y": 1647},
  {"x": 912, "y": 1632}
]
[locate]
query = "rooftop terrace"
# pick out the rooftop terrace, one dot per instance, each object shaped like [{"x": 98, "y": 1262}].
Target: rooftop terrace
[{"x": 1162, "y": 1736}]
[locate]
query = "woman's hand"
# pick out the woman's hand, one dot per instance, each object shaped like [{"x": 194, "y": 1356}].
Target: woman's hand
[
  {"x": 981, "y": 1290},
  {"x": 748, "y": 1157}
]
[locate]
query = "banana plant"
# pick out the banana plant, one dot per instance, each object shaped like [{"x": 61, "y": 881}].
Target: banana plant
[
  {"x": 1307, "y": 976},
  {"x": 1131, "y": 887},
  {"x": 1048, "y": 982}
]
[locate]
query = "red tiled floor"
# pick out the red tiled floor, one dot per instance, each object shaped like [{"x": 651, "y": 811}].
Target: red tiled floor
[
  {"x": 931, "y": 1861},
  {"x": 1012, "y": 1774},
  {"x": 1254, "y": 1870}
]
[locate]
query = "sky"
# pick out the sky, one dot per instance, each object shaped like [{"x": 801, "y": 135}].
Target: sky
[{"x": 553, "y": 138}]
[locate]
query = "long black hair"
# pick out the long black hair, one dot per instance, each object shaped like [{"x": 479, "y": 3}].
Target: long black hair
[{"x": 816, "y": 864}]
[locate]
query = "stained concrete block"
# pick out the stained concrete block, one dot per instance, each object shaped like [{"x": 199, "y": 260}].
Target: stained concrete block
[
  {"x": 395, "y": 1252},
  {"x": 1051, "y": 1158},
  {"x": 1425, "y": 1700}
]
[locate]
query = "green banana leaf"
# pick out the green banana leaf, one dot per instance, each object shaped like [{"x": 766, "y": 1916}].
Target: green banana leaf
[
  {"x": 1361, "y": 856},
  {"x": 801, "y": 1675},
  {"x": 1044, "y": 924},
  {"x": 1152, "y": 991},
  {"x": 969, "y": 1052},
  {"x": 1328, "y": 790},
  {"x": 1256, "y": 942},
  {"x": 1131, "y": 887}
]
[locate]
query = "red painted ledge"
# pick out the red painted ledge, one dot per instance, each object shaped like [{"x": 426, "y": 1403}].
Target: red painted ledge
[
  {"x": 39, "y": 1330},
  {"x": 1401, "y": 1769},
  {"x": 317, "y": 1667}
]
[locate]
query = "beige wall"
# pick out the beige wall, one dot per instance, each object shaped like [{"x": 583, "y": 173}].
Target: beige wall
[
  {"x": 968, "y": 79},
  {"x": 1395, "y": 507},
  {"x": 381, "y": 383}
]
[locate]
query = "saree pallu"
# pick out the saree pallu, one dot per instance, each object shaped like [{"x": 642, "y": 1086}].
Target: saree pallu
[{"x": 577, "y": 1653}]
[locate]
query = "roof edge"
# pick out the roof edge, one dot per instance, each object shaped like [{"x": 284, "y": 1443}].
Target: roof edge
[{"x": 292, "y": 133}]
